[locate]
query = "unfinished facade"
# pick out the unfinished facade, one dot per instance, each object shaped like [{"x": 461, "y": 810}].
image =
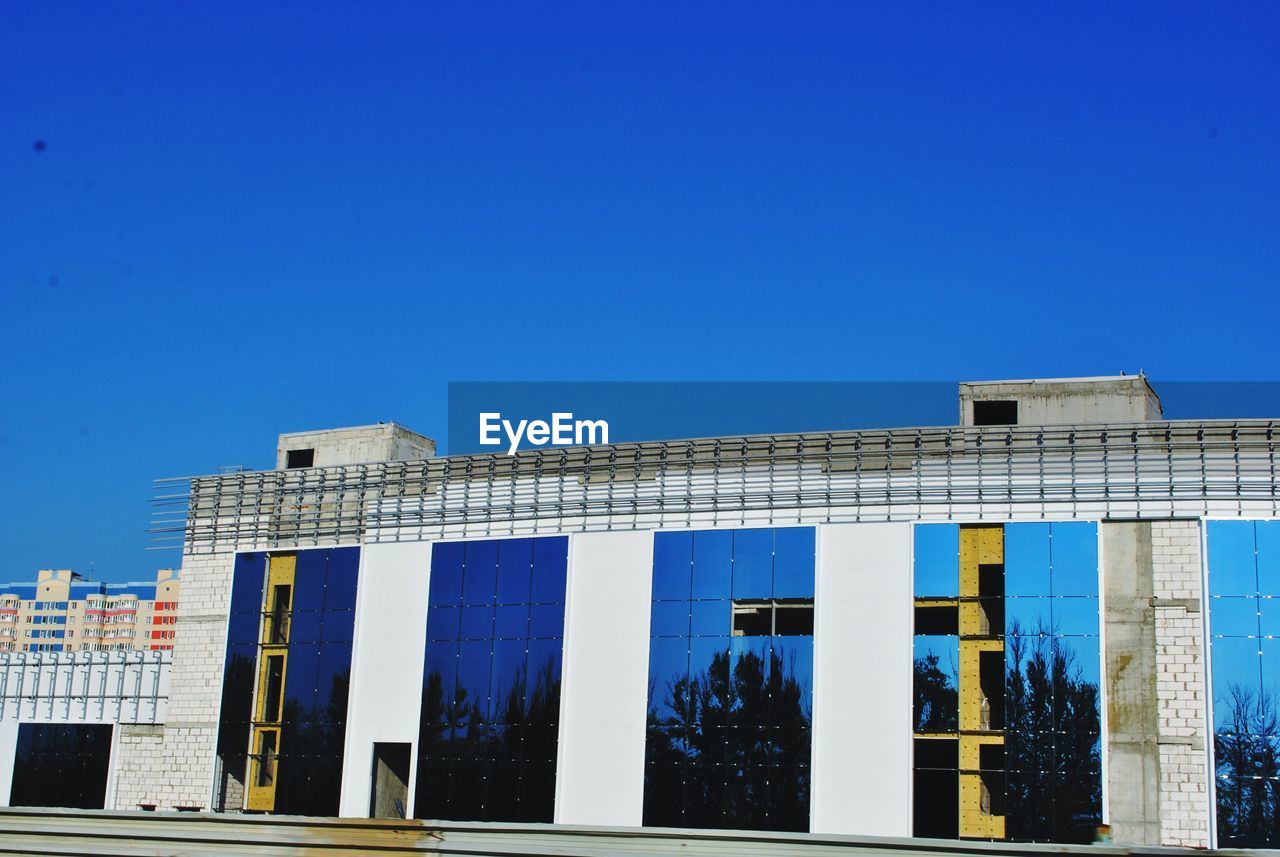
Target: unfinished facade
[{"x": 1000, "y": 630}]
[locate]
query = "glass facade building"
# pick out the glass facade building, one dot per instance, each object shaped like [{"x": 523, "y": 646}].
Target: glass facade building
[{"x": 730, "y": 679}]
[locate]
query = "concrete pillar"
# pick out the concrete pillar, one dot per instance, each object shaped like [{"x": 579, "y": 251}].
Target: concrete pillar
[
  {"x": 1157, "y": 774},
  {"x": 1129, "y": 640}
]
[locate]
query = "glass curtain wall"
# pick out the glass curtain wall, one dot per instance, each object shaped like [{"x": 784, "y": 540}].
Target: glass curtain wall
[
  {"x": 61, "y": 764},
  {"x": 1244, "y": 629},
  {"x": 730, "y": 679},
  {"x": 286, "y": 677},
  {"x": 1007, "y": 669},
  {"x": 491, "y": 687}
]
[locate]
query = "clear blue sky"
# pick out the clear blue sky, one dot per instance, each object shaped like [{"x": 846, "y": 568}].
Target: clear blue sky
[{"x": 253, "y": 218}]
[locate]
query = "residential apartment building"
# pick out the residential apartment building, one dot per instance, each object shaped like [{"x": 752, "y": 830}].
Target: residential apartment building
[{"x": 62, "y": 613}]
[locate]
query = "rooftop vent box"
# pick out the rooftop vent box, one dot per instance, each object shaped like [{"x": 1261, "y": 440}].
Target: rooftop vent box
[
  {"x": 357, "y": 445},
  {"x": 1059, "y": 401}
]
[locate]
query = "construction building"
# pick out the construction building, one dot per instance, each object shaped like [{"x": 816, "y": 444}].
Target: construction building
[{"x": 1053, "y": 617}]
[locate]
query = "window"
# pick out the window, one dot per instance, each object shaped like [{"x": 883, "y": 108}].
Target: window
[
  {"x": 995, "y": 413},
  {"x": 296, "y": 458}
]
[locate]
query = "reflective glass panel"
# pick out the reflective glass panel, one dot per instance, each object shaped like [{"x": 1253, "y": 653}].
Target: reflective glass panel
[
  {"x": 480, "y": 573},
  {"x": 728, "y": 736},
  {"x": 1074, "y": 559},
  {"x": 515, "y": 571},
  {"x": 793, "y": 564},
  {"x": 712, "y": 563},
  {"x": 1267, "y": 540},
  {"x": 1245, "y": 679},
  {"x": 752, "y": 564},
  {"x": 937, "y": 561},
  {"x": 1026, "y": 561},
  {"x": 1232, "y": 565},
  {"x": 446, "y": 573},
  {"x": 672, "y": 566},
  {"x": 491, "y": 688},
  {"x": 935, "y": 683}
]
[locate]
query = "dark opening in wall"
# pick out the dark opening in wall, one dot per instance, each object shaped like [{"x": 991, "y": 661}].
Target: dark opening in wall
[
  {"x": 995, "y": 413},
  {"x": 991, "y": 598},
  {"x": 937, "y": 620},
  {"x": 773, "y": 618},
  {"x": 752, "y": 620},
  {"x": 299, "y": 458},
  {"x": 793, "y": 620},
  {"x": 389, "y": 794},
  {"x": 61, "y": 764},
  {"x": 937, "y": 788},
  {"x": 991, "y": 668}
]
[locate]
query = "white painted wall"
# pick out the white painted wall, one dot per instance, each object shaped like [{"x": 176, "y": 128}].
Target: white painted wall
[
  {"x": 8, "y": 754},
  {"x": 386, "y": 663},
  {"x": 862, "y": 702},
  {"x": 605, "y": 686}
]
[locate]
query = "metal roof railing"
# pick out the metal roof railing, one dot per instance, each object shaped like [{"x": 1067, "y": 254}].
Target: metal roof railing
[{"x": 1130, "y": 470}]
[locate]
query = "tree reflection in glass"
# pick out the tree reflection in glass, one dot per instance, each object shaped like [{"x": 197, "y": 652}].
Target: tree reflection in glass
[
  {"x": 491, "y": 682},
  {"x": 730, "y": 705},
  {"x": 1244, "y": 583}
]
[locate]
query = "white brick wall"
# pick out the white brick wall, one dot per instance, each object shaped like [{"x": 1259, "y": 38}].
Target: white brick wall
[
  {"x": 175, "y": 767},
  {"x": 1180, "y": 683}
]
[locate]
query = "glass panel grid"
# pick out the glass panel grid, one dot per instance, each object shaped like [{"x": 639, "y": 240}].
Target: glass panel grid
[
  {"x": 1244, "y": 629},
  {"x": 729, "y": 716},
  {"x": 1046, "y": 620},
  {"x": 491, "y": 685}
]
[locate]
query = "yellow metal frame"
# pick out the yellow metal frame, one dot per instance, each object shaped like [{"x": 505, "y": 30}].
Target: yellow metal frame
[{"x": 260, "y": 788}]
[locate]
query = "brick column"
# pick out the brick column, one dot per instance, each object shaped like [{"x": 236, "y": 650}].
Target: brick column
[
  {"x": 175, "y": 767},
  {"x": 1183, "y": 733}
]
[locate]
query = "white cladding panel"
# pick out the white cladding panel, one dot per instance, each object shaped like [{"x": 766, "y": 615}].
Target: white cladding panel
[
  {"x": 605, "y": 686},
  {"x": 386, "y": 662},
  {"x": 862, "y": 696}
]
